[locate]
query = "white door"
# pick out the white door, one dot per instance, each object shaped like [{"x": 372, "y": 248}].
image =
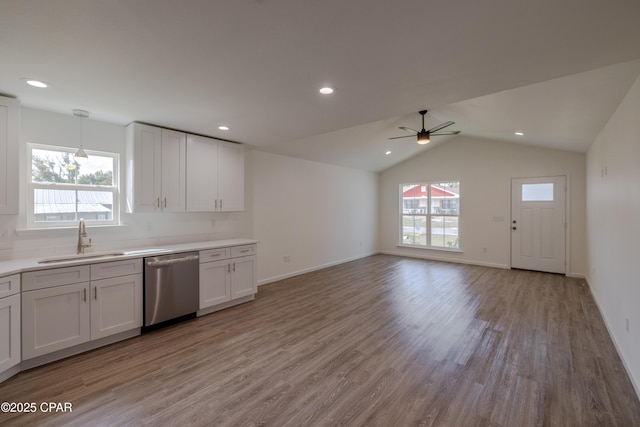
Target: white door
[{"x": 538, "y": 224}]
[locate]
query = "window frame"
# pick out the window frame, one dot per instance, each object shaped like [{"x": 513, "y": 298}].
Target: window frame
[
  {"x": 428, "y": 215},
  {"x": 114, "y": 189}
]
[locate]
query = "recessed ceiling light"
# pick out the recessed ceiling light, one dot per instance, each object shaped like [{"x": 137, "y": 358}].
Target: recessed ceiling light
[
  {"x": 35, "y": 83},
  {"x": 327, "y": 90},
  {"x": 519, "y": 133},
  {"x": 387, "y": 153},
  {"x": 223, "y": 127}
]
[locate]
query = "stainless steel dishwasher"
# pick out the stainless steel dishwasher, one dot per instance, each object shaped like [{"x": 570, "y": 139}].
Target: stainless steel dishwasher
[{"x": 170, "y": 287}]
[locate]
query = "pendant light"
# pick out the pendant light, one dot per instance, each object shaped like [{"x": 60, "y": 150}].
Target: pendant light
[{"x": 80, "y": 156}]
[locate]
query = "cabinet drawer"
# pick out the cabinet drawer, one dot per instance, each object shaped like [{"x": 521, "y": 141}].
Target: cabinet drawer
[
  {"x": 42, "y": 279},
  {"x": 9, "y": 285},
  {"x": 214, "y": 254},
  {"x": 245, "y": 250},
  {"x": 105, "y": 270}
]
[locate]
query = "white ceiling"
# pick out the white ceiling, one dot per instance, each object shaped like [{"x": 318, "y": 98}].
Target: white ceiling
[{"x": 555, "y": 69}]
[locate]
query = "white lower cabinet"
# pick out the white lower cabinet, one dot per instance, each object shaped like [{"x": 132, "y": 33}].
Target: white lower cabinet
[
  {"x": 227, "y": 279},
  {"x": 215, "y": 283},
  {"x": 243, "y": 277},
  {"x": 116, "y": 305},
  {"x": 54, "y": 319},
  {"x": 9, "y": 323},
  {"x": 65, "y": 315}
]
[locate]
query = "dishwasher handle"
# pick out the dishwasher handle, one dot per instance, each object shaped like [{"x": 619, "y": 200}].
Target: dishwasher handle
[{"x": 164, "y": 262}]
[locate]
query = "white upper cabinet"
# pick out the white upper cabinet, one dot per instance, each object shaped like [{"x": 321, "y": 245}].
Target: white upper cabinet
[
  {"x": 9, "y": 141},
  {"x": 156, "y": 165},
  {"x": 215, "y": 175},
  {"x": 231, "y": 176},
  {"x": 202, "y": 174}
]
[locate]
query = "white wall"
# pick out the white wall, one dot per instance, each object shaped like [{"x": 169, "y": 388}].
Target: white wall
[
  {"x": 138, "y": 230},
  {"x": 485, "y": 169},
  {"x": 613, "y": 229},
  {"x": 315, "y": 213}
]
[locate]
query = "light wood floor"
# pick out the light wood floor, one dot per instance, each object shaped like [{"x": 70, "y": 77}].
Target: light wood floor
[{"x": 382, "y": 341}]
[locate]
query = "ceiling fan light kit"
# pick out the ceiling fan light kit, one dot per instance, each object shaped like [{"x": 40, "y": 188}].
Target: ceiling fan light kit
[{"x": 424, "y": 136}]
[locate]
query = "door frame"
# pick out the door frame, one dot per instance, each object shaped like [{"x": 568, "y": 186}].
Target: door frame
[{"x": 567, "y": 214}]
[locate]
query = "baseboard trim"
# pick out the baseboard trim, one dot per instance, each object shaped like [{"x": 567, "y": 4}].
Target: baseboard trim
[
  {"x": 222, "y": 306},
  {"x": 80, "y": 348},
  {"x": 446, "y": 259},
  {"x": 310, "y": 269},
  {"x": 636, "y": 386}
]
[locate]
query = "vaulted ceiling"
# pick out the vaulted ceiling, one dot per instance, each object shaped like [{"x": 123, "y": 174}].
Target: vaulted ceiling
[{"x": 553, "y": 69}]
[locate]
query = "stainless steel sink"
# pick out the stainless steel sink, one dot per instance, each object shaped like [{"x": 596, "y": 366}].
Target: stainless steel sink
[
  {"x": 146, "y": 251},
  {"x": 80, "y": 257}
]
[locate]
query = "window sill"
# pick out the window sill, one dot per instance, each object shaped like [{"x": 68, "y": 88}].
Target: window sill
[
  {"x": 65, "y": 229},
  {"x": 430, "y": 248}
]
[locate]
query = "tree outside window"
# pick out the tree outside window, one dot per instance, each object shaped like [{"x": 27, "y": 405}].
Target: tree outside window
[{"x": 63, "y": 191}]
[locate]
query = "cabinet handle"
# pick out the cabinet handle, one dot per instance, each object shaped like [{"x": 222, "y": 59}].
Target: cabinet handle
[
  {"x": 228, "y": 268},
  {"x": 244, "y": 251},
  {"x": 84, "y": 292},
  {"x": 216, "y": 208},
  {"x": 220, "y": 204},
  {"x": 95, "y": 293},
  {"x": 158, "y": 202},
  {"x": 234, "y": 266},
  {"x": 165, "y": 202},
  {"x": 214, "y": 255}
]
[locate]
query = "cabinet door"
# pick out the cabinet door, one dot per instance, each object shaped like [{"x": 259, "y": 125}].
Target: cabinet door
[
  {"x": 202, "y": 174},
  {"x": 215, "y": 283},
  {"x": 230, "y": 177},
  {"x": 116, "y": 305},
  {"x": 9, "y": 332},
  {"x": 144, "y": 163},
  {"x": 10, "y": 285},
  {"x": 54, "y": 319},
  {"x": 9, "y": 142},
  {"x": 243, "y": 276},
  {"x": 174, "y": 152}
]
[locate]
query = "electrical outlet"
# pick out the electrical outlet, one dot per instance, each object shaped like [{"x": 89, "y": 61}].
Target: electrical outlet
[
  {"x": 4, "y": 234},
  {"x": 286, "y": 258},
  {"x": 484, "y": 250}
]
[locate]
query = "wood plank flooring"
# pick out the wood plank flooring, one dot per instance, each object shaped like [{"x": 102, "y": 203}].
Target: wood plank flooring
[{"x": 382, "y": 341}]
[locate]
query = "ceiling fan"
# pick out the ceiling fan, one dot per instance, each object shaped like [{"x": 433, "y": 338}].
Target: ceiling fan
[{"x": 424, "y": 136}]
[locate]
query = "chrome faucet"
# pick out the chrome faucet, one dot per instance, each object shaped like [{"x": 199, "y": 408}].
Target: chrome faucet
[{"x": 82, "y": 232}]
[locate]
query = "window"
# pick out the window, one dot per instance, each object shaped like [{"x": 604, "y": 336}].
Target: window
[
  {"x": 61, "y": 191},
  {"x": 429, "y": 214},
  {"x": 537, "y": 192}
]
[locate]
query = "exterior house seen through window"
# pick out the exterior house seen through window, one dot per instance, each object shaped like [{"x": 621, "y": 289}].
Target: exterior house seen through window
[
  {"x": 62, "y": 191},
  {"x": 429, "y": 214}
]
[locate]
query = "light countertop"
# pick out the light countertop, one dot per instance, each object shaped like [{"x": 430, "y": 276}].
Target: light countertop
[{"x": 21, "y": 265}]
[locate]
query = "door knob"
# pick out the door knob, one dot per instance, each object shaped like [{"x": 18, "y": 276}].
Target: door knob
[{"x": 514, "y": 228}]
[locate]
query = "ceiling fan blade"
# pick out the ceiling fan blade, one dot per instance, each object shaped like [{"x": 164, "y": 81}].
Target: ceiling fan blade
[
  {"x": 404, "y": 128},
  {"x": 453, "y": 132},
  {"x": 440, "y": 126},
  {"x": 408, "y": 136}
]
